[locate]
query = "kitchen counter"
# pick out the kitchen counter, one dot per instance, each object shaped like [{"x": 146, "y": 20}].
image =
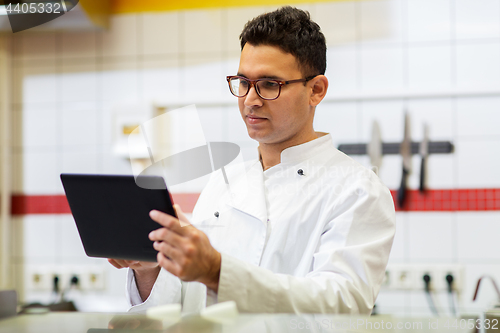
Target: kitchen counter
[{"x": 68, "y": 322}]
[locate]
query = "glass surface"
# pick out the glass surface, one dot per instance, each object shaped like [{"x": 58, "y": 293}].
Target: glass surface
[{"x": 68, "y": 322}]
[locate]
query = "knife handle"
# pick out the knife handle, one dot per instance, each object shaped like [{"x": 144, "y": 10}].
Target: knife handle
[
  {"x": 422, "y": 174},
  {"x": 402, "y": 188}
]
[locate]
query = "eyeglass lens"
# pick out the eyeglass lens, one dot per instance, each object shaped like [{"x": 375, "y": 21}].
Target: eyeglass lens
[{"x": 268, "y": 89}]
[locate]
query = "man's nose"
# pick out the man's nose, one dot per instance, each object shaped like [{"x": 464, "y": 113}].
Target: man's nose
[{"x": 252, "y": 99}]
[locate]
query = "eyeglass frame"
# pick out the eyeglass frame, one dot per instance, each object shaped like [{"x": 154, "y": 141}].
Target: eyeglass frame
[{"x": 254, "y": 82}]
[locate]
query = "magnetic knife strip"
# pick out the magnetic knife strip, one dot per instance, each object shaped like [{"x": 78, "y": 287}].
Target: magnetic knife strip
[{"x": 435, "y": 147}]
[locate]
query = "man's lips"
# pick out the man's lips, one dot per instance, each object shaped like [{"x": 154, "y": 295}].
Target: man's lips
[{"x": 255, "y": 119}]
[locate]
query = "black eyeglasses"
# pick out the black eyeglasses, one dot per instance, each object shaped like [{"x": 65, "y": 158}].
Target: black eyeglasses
[{"x": 267, "y": 89}]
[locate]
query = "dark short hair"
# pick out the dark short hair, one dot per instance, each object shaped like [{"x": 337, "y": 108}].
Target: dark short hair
[{"x": 293, "y": 31}]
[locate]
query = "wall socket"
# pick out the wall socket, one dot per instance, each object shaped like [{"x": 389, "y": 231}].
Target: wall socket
[
  {"x": 41, "y": 278},
  {"x": 411, "y": 277}
]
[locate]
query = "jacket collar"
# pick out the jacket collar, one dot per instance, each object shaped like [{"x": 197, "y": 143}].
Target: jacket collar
[{"x": 247, "y": 192}]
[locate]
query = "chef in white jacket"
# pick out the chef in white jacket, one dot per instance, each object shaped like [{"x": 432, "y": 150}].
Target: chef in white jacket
[{"x": 304, "y": 229}]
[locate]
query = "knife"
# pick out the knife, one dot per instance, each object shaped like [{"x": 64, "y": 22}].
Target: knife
[
  {"x": 424, "y": 152},
  {"x": 374, "y": 148},
  {"x": 405, "y": 151}
]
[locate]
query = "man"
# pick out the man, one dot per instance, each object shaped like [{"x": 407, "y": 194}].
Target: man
[{"x": 311, "y": 231}]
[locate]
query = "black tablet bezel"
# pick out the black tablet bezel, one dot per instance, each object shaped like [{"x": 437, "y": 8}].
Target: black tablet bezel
[{"x": 111, "y": 213}]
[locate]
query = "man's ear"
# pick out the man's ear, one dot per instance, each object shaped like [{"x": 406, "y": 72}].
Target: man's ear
[{"x": 319, "y": 86}]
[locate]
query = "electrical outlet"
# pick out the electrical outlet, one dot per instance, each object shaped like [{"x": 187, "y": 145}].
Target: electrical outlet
[
  {"x": 38, "y": 279},
  {"x": 456, "y": 271},
  {"x": 93, "y": 279},
  {"x": 411, "y": 277},
  {"x": 404, "y": 278}
]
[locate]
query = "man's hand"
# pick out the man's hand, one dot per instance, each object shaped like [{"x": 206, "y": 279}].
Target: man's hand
[
  {"x": 185, "y": 251},
  {"x": 135, "y": 265}
]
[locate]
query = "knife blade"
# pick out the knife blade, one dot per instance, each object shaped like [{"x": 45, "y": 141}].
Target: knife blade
[
  {"x": 405, "y": 151},
  {"x": 424, "y": 153},
  {"x": 374, "y": 148}
]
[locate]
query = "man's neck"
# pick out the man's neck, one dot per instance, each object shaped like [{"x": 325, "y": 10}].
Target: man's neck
[{"x": 270, "y": 154}]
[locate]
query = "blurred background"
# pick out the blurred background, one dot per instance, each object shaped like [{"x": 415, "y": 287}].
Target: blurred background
[{"x": 71, "y": 89}]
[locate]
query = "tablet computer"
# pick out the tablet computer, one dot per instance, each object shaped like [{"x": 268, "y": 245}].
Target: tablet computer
[{"x": 112, "y": 213}]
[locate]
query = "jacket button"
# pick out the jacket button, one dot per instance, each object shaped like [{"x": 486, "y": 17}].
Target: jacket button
[
  {"x": 216, "y": 214},
  {"x": 300, "y": 172}
]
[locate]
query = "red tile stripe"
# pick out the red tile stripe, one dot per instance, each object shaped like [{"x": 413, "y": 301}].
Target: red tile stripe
[
  {"x": 57, "y": 204},
  {"x": 452, "y": 200},
  {"x": 432, "y": 200}
]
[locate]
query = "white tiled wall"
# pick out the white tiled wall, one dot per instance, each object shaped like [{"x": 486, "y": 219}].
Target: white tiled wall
[{"x": 67, "y": 87}]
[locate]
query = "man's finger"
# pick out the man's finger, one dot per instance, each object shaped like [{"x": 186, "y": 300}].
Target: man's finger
[
  {"x": 167, "y": 264},
  {"x": 117, "y": 263},
  {"x": 168, "y": 250},
  {"x": 167, "y": 221},
  {"x": 168, "y": 236}
]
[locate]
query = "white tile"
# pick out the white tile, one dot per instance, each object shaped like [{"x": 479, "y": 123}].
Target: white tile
[
  {"x": 79, "y": 83},
  {"x": 39, "y": 85},
  {"x": 342, "y": 70},
  {"x": 337, "y": 21},
  {"x": 40, "y": 239},
  {"x": 112, "y": 164},
  {"x": 77, "y": 45},
  {"x": 478, "y": 117},
  {"x": 477, "y": 232},
  {"x": 79, "y": 162},
  {"x": 160, "y": 33},
  {"x": 429, "y": 68},
  {"x": 213, "y": 123},
  {"x": 202, "y": 31},
  {"x": 40, "y": 173},
  {"x": 37, "y": 124},
  {"x": 478, "y": 66},
  {"x": 120, "y": 83},
  {"x": 382, "y": 69},
  {"x": 381, "y": 22},
  {"x": 70, "y": 243},
  {"x": 477, "y": 19},
  {"x": 429, "y": 20},
  {"x": 431, "y": 237},
  {"x": 388, "y": 114},
  {"x": 121, "y": 38},
  {"x": 160, "y": 81},
  {"x": 203, "y": 78},
  {"x": 338, "y": 119},
  {"x": 400, "y": 245},
  {"x": 79, "y": 126},
  {"x": 440, "y": 172},
  {"x": 236, "y": 129},
  {"x": 477, "y": 163},
  {"x": 436, "y": 113},
  {"x": 17, "y": 172}
]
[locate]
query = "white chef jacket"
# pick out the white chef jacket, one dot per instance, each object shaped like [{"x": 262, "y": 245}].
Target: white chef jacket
[{"x": 310, "y": 235}]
